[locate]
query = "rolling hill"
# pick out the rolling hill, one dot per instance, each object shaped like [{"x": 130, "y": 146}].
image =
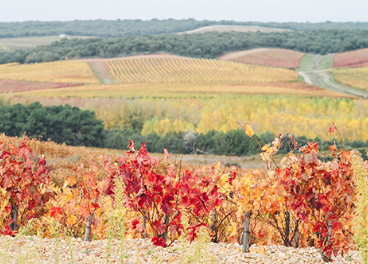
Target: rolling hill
[
  {"x": 268, "y": 57},
  {"x": 160, "y": 75},
  {"x": 157, "y": 69},
  {"x": 351, "y": 59}
]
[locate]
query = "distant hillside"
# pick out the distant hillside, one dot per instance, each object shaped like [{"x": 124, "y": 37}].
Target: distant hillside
[
  {"x": 267, "y": 57},
  {"x": 120, "y": 28},
  {"x": 226, "y": 28},
  {"x": 104, "y": 28},
  {"x": 205, "y": 45}
]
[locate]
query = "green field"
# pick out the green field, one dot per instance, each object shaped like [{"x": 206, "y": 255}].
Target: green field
[{"x": 306, "y": 62}]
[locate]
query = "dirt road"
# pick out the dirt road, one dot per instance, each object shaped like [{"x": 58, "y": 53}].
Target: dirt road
[{"x": 318, "y": 76}]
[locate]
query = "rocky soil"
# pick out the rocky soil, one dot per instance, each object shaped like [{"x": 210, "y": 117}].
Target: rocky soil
[{"x": 27, "y": 249}]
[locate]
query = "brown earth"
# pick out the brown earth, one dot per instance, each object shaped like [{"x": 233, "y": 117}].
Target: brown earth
[{"x": 102, "y": 72}]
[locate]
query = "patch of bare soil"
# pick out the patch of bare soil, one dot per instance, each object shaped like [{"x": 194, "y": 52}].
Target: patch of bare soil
[
  {"x": 237, "y": 54},
  {"x": 102, "y": 72}
]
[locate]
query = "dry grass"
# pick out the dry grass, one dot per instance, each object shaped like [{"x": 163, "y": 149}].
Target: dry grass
[
  {"x": 168, "y": 90},
  {"x": 59, "y": 71},
  {"x": 351, "y": 59},
  {"x": 172, "y": 70},
  {"x": 355, "y": 77},
  {"x": 267, "y": 57}
]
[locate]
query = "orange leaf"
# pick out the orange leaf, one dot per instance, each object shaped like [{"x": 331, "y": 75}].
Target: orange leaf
[
  {"x": 332, "y": 148},
  {"x": 248, "y": 130},
  {"x": 57, "y": 213},
  {"x": 84, "y": 210}
]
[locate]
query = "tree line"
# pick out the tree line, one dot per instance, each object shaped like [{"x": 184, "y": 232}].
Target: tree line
[
  {"x": 61, "y": 124},
  {"x": 204, "y": 45},
  {"x": 120, "y": 28},
  {"x": 76, "y": 127}
]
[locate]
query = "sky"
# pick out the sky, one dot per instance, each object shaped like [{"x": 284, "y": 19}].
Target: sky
[{"x": 238, "y": 10}]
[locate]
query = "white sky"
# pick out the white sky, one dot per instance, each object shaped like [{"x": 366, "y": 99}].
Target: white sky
[{"x": 239, "y": 10}]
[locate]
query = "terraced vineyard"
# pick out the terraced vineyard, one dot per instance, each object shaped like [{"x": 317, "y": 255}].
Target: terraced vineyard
[
  {"x": 59, "y": 71},
  {"x": 268, "y": 57},
  {"x": 173, "y": 70}
]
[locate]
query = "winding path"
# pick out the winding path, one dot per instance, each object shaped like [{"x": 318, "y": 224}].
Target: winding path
[{"x": 322, "y": 78}]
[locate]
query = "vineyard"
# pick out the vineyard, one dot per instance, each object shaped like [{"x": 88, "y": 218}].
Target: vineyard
[
  {"x": 354, "y": 77},
  {"x": 174, "y": 70},
  {"x": 184, "y": 90},
  {"x": 7, "y": 86},
  {"x": 351, "y": 59},
  {"x": 299, "y": 202},
  {"x": 60, "y": 71},
  {"x": 267, "y": 57}
]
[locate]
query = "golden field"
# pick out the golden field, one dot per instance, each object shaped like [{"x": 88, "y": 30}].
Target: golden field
[
  {"x": 168, "y": 90},
  {"x": 58, "y": 71}
]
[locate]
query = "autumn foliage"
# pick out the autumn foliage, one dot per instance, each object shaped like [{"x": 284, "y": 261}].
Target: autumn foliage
[
  {"x": 23, "y": 182},
  {"x": 300, "y": 201}
]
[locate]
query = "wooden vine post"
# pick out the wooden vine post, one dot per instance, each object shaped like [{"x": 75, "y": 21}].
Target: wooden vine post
[
  {"x": 144, "y": 225},
  {"x": 214, "y": 225},
  {"x": 14, "y": 216},
  {"x": 89, "y": 225},
  {"x": 166, "y": 222},
  {"x": 245, "y": 235},
  {"x": 297, "y": 234},
  {"x": 287, "y": 229},
  {"x": 329, "y": 236}
]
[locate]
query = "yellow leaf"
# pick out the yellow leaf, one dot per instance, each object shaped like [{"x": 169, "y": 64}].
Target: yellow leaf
[
  {"x": 266, "y": 147},
  {"x": 232, "y": 229},
  {"x": 223, "y": 180},
  {"x": 71, "y": 220},
  {"x": 216, "y": 166},
  {"x": 248, "y": 130}
]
